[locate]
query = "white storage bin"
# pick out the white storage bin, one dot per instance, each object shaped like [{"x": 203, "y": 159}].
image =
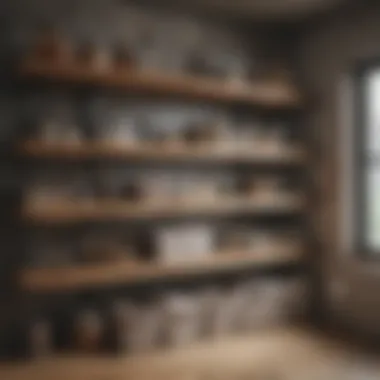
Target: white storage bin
[
  {"x": 182, "y": 313},
  {"x": 230, "y": 308},
  {"x": 143, "y": 323},
  {"x": 184, "y": 244}
]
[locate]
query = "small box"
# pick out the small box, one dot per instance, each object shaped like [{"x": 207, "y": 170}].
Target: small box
[{"x": 186, "y": 244}]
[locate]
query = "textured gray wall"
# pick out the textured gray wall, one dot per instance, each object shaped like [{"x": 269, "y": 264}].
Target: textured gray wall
[{"x": 328, "y": 54}]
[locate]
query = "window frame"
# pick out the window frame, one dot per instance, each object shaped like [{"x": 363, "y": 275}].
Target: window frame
[{"x": 360, "y": 164}]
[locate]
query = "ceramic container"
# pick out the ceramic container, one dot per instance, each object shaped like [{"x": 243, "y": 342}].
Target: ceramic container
[
  {"x": 89, "y": 331},
  {"x": 40, "y": 339},
  {"x": 182, "y": 318}
]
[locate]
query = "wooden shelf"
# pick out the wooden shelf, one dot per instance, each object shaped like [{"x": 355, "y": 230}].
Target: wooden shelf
[
  {"x": 270, "y": 352},
  {"x": 161, "y": 152},
  {"x": 272, "y": 94},
  {"x": 69, "y": 211},
  {"x": 113, "y": 273}
]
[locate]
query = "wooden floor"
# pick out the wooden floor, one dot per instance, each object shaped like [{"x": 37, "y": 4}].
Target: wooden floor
[{"x": 283, "y": 354}]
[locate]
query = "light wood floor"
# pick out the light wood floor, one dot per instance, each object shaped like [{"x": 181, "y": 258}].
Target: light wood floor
[{"x": 275, "y": 354}]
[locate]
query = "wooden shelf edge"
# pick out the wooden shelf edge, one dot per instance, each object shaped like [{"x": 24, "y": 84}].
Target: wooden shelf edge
[
  {"x": 35, "y": 148},
  {"x": 260, "y": 93},
  {"x": 61, "y": 279},
  {"x": 66, "y": 211},
  {"x": 222, "y": 357}
]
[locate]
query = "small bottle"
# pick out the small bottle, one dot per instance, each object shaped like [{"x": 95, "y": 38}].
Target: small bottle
[
  {"x": 40, "y": 338},
  {"x": 122, "y": 57},
  {"x": 121, "y": 321},
  {"x": 89, "y": 329},
  {"x": 52, "y": 46}
]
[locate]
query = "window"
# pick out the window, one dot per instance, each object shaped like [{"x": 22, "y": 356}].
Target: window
[{"x": 367, "y": 144}]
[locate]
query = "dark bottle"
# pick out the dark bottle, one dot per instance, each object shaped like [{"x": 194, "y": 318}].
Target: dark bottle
[
  {"x": 40, "y": 339},
  {"x": 89, "y": 331}
]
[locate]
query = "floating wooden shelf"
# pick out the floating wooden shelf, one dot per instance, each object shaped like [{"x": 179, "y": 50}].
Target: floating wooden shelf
[
  {"x": 69, "y": 211},
  {"x": 273, "y": 94},
  {"x": 164, "y": 152},
  {"x": 69, "y": 278},
  {"x": 285, "y": 352}
]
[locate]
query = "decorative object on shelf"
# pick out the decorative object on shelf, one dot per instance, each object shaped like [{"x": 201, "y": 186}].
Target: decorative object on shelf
[
  {"x": 195, "y": 188},
  {"x": 245, "y": 186},
  {"x": 263, "y": 306},
  {"x": 279, "y": 71},
  {"x": 119, "y": 132},
  {"x": 209, "y": 59},
  {"x": 198, "y": 65},
  {"x": 177, "y": 189},
  {"x": 229, "y": 307},
  {"x": 89, "y": 331},
  {"x": 256, "y": 240},
  {"x": 121, "y": 314},
  {"x": 235, "y": 238},
  {"x": 94, "y": 57},
  {"x": 182, "y": 315},
  {"x": 122, "y": 58},
  {"x": 123, "y": 185},
  {"x": 40, "y": 338},
  {"x": 200, "y": 133},
  {"x": 52, "y": 47},
  {"x": 222, "y": 136},
  {"x": 270, "y": 187},
  {"x": 148, "y": 54},
  {"x": 131, "y": 192},
  {"x": 157, "y": 186},
  {"x": 54, "y": 131},
  {"x": 85, "y": 55},
  {"x": 55, "y": 253},
  {"x": 207, "y": 190},
  {"x": 170, "y": 140},
  {"x": 210, "y": 302},
  {"x": 275, "y": 139},
  {"x": 262, "y": 240},
  {"x": 49, "y": 188},
  {"x": 291, "y": 237},
  {"x": 145, "y": 325},
  {"x": 248, "y": 137},
  {"x": 103, "y": 247},
  {"x": 267, "y": 187},
  {"x": 209, "y": 65},
  {"x": 161, "y": 138}
]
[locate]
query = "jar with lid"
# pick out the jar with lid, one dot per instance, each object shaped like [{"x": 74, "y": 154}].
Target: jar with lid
[
  {"x": 52, "y": 46},
  {"x": 88, "y": 329},
  {"x": 122, "y": 313},
  {"x": 40, "y": 338},
  {"x": 183, "y": 318}
]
